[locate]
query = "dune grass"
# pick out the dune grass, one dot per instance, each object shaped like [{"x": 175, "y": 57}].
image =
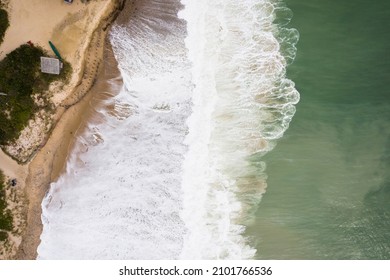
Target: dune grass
[{"x": 20, "y": 78}]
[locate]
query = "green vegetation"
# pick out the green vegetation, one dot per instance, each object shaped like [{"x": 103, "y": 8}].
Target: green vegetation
[
  {"x": 5, "y": 214},
  {"x": 3, "y": 236},
  {"x": 4, "y": 23},
  {"x": 20, "y": 77}
]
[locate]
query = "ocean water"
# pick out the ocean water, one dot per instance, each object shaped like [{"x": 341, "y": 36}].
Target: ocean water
[
  {"x": 200, "y": 152},
  {"x": 120, "y": 197},
  {"x": 242, "y": 102},
  {"x": 328, "y": 177},
  {"x": 169, "y": 165}
]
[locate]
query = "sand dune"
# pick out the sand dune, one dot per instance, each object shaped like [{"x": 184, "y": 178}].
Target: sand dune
[{"x": 78, "y": 31}]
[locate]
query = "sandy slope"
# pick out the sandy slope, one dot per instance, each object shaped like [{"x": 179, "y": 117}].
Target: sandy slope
[{"x": 78, "y": 31}]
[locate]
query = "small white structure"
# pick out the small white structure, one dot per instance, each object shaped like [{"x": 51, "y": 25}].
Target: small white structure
[{"x": 50, "y": 65}]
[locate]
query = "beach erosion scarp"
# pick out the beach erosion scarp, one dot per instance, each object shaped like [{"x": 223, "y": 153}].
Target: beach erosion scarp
[{"x": 79, "y": 31}]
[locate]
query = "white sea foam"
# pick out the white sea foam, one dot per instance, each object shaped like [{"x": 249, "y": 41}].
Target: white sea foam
[
  {"x": 120, "y": 197},
  {"x": 242, "y": 101},
  {"x": 170, "y": 172}
]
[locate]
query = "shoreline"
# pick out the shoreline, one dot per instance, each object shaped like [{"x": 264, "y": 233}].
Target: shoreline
[
  {"x": 49, "y": 160},
  {"x": 80, "y": 33}
]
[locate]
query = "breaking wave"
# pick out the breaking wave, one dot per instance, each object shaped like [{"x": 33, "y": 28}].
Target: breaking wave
[{"x": 171, "y": 170}]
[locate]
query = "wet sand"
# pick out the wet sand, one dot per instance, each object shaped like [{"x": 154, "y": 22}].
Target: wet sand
[
  {"x": 50, "y": 161},
  {"x": 87, "y": 26}
]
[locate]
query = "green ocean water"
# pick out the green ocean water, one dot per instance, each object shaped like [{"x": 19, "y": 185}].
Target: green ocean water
[{"x": 328, "y": 194}]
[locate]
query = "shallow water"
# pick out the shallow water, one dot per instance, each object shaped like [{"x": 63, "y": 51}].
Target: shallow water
[
  {"x": 167, "y": 166},
  {"x": 120, "y": 195},
  {"x": 328, "y": 177}
]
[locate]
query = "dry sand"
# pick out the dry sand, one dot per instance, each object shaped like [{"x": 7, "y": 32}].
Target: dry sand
[
  {"x": 39, "y": 21},
  {"x": 68, "y": 26},
  {"x": 51, "y": 160},
  {"x": 78, "y": 30},
  {"x": 11, "y": 168},
  {"x": 44, "y": 169},
  {"x": 16, "y": 202}
]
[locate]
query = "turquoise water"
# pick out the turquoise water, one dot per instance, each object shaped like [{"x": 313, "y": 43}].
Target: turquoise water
[{"x": 328, "y": 194}]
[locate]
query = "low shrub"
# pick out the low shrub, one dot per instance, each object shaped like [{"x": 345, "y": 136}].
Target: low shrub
[
  {"x": 4, "y": 24},
  {"x": 20, "y": 77}
]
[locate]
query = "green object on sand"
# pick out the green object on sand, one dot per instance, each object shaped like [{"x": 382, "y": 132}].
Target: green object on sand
[{"x": 55, "y": 50}]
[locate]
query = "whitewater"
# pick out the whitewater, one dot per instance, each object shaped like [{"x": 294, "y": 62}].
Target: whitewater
[{"x": 173, "y": 170}]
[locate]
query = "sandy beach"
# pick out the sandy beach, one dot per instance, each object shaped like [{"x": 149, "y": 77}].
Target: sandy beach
[
  {"x": 79, "y": 30},
  {"x": 50, "y": 161}
]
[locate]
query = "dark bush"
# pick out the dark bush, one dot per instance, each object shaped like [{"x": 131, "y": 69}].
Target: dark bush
[
  {"x": 5, "y": 215},
  {"x": 4, "y": 24},
  {"x": 20, "y": 76}
]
